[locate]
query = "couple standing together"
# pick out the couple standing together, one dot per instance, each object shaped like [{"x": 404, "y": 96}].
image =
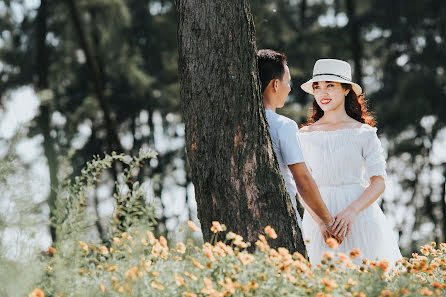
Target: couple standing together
[{"x": 335, "y": 161}]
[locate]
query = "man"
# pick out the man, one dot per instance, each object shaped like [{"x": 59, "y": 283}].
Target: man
[{"x": 275, "y": 81}]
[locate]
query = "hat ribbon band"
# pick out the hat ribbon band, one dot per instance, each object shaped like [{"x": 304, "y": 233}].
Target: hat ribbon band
[{"x": 343, "y": 77}]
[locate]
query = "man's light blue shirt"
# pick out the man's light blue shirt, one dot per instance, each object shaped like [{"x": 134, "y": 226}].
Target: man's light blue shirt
[{"x": 284, "y": 137}]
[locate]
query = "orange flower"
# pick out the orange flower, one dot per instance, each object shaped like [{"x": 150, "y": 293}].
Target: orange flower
[
  {"x": 351, "y": 282},
  {"x": 102, "y": 287},
  {"x": 217, "y": 227},
  {"x": 131, "y": 273},
  {"x": 188, "y": 294},
  {"x": 386, "y": 293},
  {"x": 163, "y": 242},
  {"x": 229, "y": 285},
  {"x": 151, "y": 237},
  {"x": 157, "y": 286},
  {"x": 270, "y": 232},
  {"x": 192, "y": 226},
  {"x": 426, "y": 292},
  {"x": 355, "y": 253},
  {"x": 333, "y": 243},
  {"x": 103, "y": 250},
  {"x": 190, "y": 275},
  {"x": 404, "y": 291},
  {"x": 51, "y": 251},
  {"x": 208, "y": 289},
  {"x": 36, "y": 293},
  {"x": 83, "y": 245},
  {"x": 245, "y": 258},
  {"x": 197, "y": 264},
  {"x": 207, "y": 250},
  {"x": 179, "y": 280},
  {"x": 181, "y": 248},
  {"x": 384, "y": 264},
  {"x": 329, "y": 283}
]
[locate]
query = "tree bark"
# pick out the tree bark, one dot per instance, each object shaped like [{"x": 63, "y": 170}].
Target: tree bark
[
  {"x": 443, "y": 203},
  {"x": 234, "y": 170},
  {"x": 44, "y": 118}
]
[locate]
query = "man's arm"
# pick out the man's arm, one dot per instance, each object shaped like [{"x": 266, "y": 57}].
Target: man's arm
[{"x": 307, "y": 188}]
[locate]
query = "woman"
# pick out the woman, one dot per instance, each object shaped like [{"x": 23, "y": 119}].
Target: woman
[{"x": 345, "y": 157}]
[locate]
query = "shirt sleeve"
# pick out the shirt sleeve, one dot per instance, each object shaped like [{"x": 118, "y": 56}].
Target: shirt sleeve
[
  {"x": 289, "y": 144},
  {"x": 373, "y": 153}
]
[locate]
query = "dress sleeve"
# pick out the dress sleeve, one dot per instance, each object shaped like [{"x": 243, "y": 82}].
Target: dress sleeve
[
  {"x": 290, "y": 145},
  {"x": 373, "y": 153}
]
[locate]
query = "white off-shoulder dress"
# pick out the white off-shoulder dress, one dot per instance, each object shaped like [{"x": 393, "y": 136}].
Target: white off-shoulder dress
[{"x": 342, "y": 162}]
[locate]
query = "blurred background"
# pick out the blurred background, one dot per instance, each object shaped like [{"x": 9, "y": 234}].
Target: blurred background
[{"x": 83, "y": 77}]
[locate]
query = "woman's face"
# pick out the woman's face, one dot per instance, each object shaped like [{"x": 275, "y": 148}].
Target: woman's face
[{"x": 329, "y": 95}]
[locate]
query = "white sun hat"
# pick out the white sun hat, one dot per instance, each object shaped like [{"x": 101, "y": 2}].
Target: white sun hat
[{"x": 331, "y": 70}]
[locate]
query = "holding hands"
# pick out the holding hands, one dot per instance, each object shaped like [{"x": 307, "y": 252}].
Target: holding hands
[
  {"x": 328, "y": 231},
  {"x": 343, "y": 222}
]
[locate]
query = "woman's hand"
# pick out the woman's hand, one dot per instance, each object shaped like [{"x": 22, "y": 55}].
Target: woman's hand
[
  {"x": 343, "y": 222},
  {"x": 326, "y": 234}
]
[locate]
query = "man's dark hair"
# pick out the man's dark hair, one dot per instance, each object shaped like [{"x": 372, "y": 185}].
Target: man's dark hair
[{"x": 271, "y": 66}]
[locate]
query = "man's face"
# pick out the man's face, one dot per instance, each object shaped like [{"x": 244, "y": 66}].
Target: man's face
[{"x": 283, "y": 88}]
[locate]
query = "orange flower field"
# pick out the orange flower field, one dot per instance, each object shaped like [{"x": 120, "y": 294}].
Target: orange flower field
[{"x": 138, "y": 264}]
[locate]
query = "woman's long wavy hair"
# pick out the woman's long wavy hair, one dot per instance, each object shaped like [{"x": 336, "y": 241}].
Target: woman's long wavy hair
[{"x": 355, "y": 106}]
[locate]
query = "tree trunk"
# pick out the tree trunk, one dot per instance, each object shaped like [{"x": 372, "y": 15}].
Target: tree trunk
[
  {"x": 98, "y": 81},
  {"x": 443, "y": 203},
  {"x": 44, "y": 118},
  {"x": 355, "y": 40},
  {"x": 234, "y": 170}
]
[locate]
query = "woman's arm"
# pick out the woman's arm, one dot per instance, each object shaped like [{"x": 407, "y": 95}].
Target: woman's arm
[{"x": 344, "y": 220}]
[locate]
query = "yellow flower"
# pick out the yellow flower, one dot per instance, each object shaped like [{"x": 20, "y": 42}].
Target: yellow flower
[
  {"x": 270, "y": 232},
  {"x": 192, "y": 226},
  {"x": 36, "y": 293},
  {"x": 333, "y": 243},
  {"x": 157, "y": 286},
  {"x": 144, "y": 242}
]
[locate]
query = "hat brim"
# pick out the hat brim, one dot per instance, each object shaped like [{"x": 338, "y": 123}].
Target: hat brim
[{"x": 308, "y": 86}]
